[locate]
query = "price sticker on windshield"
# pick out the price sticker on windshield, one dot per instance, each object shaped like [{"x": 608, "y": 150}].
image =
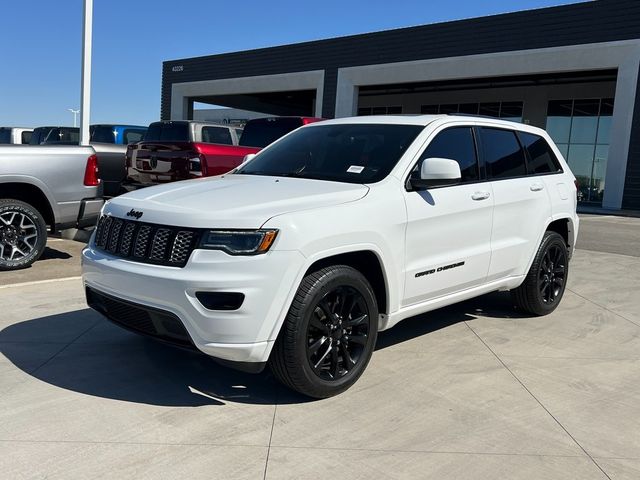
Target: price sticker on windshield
[{"x": 355, "y": 169}]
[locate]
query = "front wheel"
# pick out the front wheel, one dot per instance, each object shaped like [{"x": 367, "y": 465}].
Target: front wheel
[
  {"x": 544, "y": 285},
  {"x": 23, "y": 234},
  {"x": 329, "y": 333}
]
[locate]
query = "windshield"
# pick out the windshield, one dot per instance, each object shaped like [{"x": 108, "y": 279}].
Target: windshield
[
  {"x": 264, "y": 131},
  {"x": 5, "y": 135},
  {"x": 351, "y": 153}
]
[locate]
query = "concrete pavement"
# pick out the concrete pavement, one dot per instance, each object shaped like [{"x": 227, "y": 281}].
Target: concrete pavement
[{"x": 470, "y": 391}]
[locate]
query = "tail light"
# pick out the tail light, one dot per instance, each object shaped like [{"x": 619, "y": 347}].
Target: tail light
[
  {"x": 91, "y": 172},
  {"x": 198, "y": 164},
  {"x": 128, "y": 157}
]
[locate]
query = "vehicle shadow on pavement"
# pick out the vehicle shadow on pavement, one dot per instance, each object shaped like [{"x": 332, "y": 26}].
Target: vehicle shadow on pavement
[
  {"x": 493, "y": 305},
  {"x": 94, "y": 357},
  {"x": 53, "y": 254}
]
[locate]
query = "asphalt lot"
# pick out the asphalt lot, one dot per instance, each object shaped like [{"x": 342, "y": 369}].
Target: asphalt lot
[{"x": 470, "y": 391}]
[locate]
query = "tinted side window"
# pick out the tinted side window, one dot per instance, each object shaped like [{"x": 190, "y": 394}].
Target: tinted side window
[
  {"x": 456, "y": 144},
  {"x": 5, "y": 135},
  {"x": 26, "y": 137},
  {"x": 502, "y": 153},
  {"x": 132, "y": 136},
  {"x": 103, "y": 134},
  {"x": 541, "y": 158},
  {"x": 216, "y": 135}
]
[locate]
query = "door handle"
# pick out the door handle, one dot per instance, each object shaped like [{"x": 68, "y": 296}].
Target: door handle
[
  {"x": 480, "y": 195},
  {"x": 536, "y": 187}
]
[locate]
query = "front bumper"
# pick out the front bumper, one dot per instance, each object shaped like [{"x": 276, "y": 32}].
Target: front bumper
[{"x": 243, "y": 335}]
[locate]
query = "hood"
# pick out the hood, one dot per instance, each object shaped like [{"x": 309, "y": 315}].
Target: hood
[{"x": 231, "y": 201}]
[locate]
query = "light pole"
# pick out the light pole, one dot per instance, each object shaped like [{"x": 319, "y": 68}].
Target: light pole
[
  {"x": 85, "y": 90},
  {"x": 75, "y": 116}
]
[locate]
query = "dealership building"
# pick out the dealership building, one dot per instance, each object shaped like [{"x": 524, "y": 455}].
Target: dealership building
[{"x": 571, "y": 69}]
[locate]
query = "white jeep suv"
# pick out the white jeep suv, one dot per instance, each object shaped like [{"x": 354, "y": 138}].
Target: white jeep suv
[{"x": 336, "y": 231}]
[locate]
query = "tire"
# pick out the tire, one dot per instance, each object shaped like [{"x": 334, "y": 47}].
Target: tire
[
  {"x": 329, "y": 334},
  {"x": 23, "y": 234},
  {"x": 544, "y": 285}
]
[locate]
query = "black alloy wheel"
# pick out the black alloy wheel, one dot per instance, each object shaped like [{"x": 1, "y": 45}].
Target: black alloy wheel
[
  {"x": 552, "y": 273},
  {"x": 329, "y": 334},
  {"x": 337, "y": 333},
  {"x": 543, "y": 287}
]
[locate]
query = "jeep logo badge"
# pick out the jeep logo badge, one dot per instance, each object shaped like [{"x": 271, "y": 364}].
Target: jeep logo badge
[{"x": 134, "y": 213}]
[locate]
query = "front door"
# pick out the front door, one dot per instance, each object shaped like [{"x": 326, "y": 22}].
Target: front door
[{"x": 448, "y": 239}]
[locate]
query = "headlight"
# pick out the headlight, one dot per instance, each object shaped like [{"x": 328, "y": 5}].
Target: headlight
[{"x": 239, "y": 242}]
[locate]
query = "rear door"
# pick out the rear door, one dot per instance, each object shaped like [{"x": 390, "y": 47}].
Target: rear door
[
  {"x": 522, "y": 205},
  {"x": 448, "y": 239}
]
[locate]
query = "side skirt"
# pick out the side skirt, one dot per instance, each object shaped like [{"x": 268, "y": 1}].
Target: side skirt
[{"x": 435, "y": 303}]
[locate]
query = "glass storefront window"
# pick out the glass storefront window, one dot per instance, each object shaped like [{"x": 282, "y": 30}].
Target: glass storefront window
[
  {"x": 490, "y": 109},
  {"x": 506, "y": 110},
  {"x": 449, "y": 108},
  {"x": 511, "y": 111},
  {"x": 581, "y": 130},
  {"x": 585, "y": 121},
  {"x": 599, "y": 170},
  {"x": 393, "y": 110},
  {"x": 559, "y": 120},
  {"x": 469, "y": 108}
]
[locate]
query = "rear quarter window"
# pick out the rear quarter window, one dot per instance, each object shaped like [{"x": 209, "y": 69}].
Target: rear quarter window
[{"x": 540, "y": 156}]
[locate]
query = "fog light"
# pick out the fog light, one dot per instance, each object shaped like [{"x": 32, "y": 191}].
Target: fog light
[{"x": 220, "y": 300}]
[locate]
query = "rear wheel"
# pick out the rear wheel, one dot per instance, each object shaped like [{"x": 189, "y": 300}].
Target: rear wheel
[
  {"x": 544, "y": 285},
  {"x": 329, "y": 334},
  {"x": 23, "y": 234}
]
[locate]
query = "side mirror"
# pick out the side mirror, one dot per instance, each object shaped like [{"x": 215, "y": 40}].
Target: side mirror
[
  {"x": 248, "y": 158},
  {"x": 436, "y": 172}
]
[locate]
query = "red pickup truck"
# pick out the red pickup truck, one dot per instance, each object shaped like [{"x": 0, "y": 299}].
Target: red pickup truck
[{"x": 179, "y": 150}]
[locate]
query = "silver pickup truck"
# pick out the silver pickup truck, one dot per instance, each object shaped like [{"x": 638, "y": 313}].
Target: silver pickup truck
[{"x": 44, "y": 186}]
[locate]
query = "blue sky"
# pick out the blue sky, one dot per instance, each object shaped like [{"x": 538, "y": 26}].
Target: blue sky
[{"x": 41, "y": 44}]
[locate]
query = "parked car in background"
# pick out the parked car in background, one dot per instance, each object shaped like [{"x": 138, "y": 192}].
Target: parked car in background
[
  {"x": 15, "y": 135},
  {"x": 55, "y": 187},
  {"x": 116, "y": 134},
  {"x": 107, "y": 140},
  {"x": 110, "y": 143},
  {"x": 179, "y": 150},
  {"x": 53, "y": 135},
  {"x": 341, "y": 229}
]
